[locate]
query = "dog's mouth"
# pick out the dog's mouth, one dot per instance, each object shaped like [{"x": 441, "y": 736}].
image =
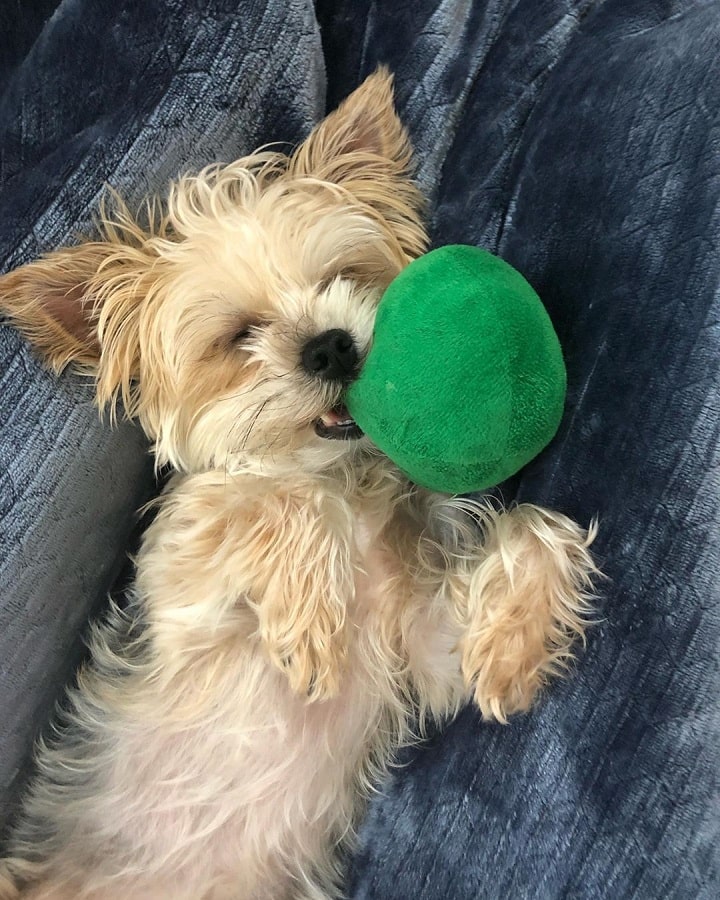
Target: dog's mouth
[{"x": 338, "y": 425}]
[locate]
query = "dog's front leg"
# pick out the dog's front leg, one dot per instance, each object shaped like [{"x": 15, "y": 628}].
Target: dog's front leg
[
  {"x": 255, "y": 557},
  {"x": 302, "y": 588},
  {"x": 520, "y": 595}
]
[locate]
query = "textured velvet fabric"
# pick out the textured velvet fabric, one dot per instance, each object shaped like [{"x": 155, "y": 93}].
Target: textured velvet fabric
[{"x": 580, "y": 141}]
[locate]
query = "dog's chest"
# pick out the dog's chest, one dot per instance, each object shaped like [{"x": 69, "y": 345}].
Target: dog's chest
[{"x": 376, "y": 566}]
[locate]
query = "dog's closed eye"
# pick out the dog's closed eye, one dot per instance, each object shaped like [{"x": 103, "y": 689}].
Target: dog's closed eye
[
  {"x": 246, "y": 329},
  {"x": 242, "y": 335},
  {"x": 235, "y": 335},
  {"x": 357, "y": 272},
  {"x": 328, "y": 279}
]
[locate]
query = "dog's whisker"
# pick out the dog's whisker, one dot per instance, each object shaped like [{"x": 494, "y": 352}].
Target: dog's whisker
[
  {"x": 255, "y": 417},
  {"x": 253, "y": 387}
]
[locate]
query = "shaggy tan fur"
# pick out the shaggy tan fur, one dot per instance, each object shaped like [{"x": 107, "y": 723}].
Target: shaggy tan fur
[{"x": 300, "y": 610}]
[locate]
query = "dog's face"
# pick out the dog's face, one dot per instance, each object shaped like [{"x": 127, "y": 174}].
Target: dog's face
[{"x": 232, "y": 324}]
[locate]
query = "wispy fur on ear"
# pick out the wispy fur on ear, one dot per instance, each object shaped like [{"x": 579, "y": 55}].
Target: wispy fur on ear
[
  {"x": 49, "y": 301},
  {"x": 364, "y": 148},
  {"x": 81, "y": 304},
  {"x": 122, "y": 291},
  {"x": 365, "y": 123}
]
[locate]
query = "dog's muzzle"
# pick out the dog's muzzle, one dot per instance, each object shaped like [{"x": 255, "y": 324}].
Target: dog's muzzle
[{"x": 333, "y": 356}]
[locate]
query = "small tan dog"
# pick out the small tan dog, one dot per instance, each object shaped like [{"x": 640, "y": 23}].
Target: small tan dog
[{"x": 300, "y": 609}]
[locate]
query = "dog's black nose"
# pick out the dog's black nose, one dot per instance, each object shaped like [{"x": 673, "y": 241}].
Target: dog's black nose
[{"x": 331, "y": 355}]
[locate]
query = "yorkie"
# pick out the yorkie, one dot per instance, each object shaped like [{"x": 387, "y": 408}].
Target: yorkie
[{"x": 300, "y": 610}]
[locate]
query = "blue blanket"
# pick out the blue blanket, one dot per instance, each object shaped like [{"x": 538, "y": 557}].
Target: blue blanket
[{"x": 580, "y": 140}]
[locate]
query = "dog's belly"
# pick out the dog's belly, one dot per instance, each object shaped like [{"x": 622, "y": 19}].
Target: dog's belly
[
  {"x": 208, "y": 798},
  {"x": 216, "y": 782}
]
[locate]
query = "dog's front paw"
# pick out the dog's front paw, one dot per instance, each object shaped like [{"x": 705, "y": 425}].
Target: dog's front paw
[
  {"x": 528, "y": 603},
  {"x": 313, "y": 667},
  {"x": 302, "y": 580},
  {"x": 303, "y": 632}
]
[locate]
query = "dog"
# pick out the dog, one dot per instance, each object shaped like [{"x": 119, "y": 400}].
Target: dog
[{"x": 299, "y": 610}]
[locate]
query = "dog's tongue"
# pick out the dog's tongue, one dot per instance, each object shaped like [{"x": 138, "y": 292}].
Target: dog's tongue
[{"x": 339, "y": 415}]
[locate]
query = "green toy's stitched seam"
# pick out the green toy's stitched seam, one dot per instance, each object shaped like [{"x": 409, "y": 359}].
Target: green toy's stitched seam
[{"x": 470, "y": 272}]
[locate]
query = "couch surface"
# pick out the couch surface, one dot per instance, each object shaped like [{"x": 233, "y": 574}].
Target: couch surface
[{"x": 580, "y": 141}]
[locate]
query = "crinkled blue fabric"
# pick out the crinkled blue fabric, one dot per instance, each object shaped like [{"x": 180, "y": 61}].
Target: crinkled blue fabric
[{"x": 581, "y": 141}]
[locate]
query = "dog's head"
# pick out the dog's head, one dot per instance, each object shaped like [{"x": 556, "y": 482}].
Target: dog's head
[{"x": 231, "y": 323}]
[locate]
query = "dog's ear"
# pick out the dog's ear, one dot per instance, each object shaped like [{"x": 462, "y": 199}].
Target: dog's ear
[
  {"x": 364, "y": 148},
  {"x": 50, "y": 302},
  {"x": 364, "y": 130},
  {"x": 82, "y": 304}
]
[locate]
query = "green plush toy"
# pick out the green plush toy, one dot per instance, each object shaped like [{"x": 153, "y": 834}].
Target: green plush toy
[{"x": 465, "y": 382}]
